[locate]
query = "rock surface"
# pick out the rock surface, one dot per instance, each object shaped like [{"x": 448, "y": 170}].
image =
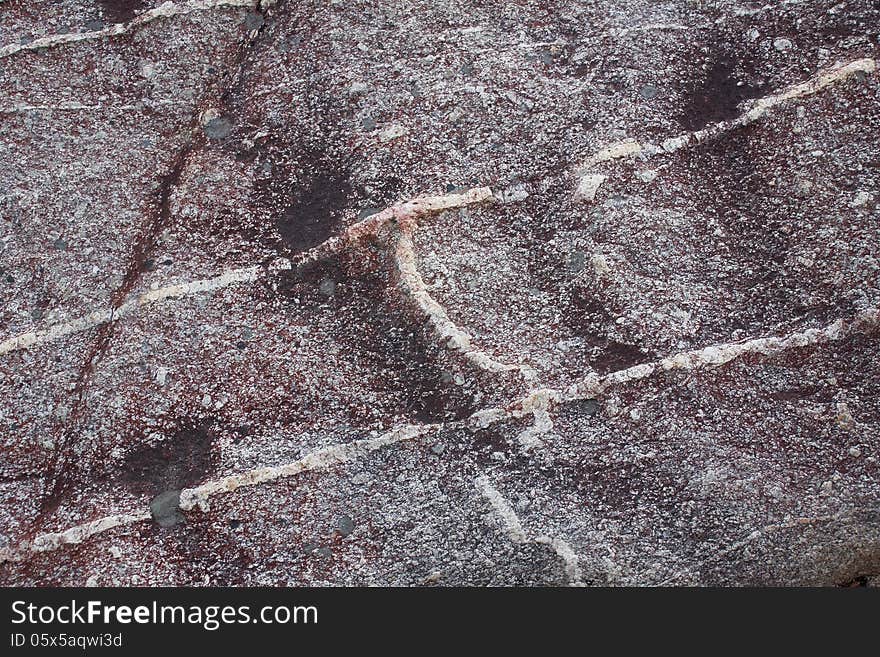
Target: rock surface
[{"x": 666, "y": 376}]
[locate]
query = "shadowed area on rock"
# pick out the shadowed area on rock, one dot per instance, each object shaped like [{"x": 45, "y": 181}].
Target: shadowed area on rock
[
  {"x": 182, "y": 459},
  {"x": 120, "y": 11}
]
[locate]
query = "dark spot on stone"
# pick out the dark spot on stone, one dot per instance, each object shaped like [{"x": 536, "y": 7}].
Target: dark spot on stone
[
  {"x": 94, "y": 26},
  {"x": 178, "y": 462},
  {"x": 241, "y": 344},
  {"x": 467, "y": 69},
  {"x": 369, "y": 123},
  {"x": 589, "y": 319},
  {"x": 613, "y": 355},
  {"x": 149, "y": 264},
  {"x": 717, "y": 95},
  {"x": 37, "y": 314},
  {"x": 25, "y": 40},
  {"x": 324, "y": 552},
  {"x": 165, "y": 508},
  {"x": 438, "y": 449},
  {"x": 344, "y": 525},
  {"x": 310, "y": 547},
  {"x": 314, "y": 213},
  {"x": 9, "y": 278},
  {"x": 120, "y": 11},
  {"x": 234, "y": 524},
  {"x": 586, "y": 406},
  {"x": 648, "y": 92},
  {"x": 60, "y": 244},
  {"x": 218, "y": 128},
  {"x": 254, "y": 20},
  {"x": 167, "y": 261},
  {"x": 546, "y": 57}
]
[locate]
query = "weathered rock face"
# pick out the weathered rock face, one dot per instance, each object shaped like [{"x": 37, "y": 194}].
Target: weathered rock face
[{"x": 625, "y": 332}]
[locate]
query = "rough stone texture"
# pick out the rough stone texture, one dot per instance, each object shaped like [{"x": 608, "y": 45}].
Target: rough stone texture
[{"x": 201, "y": 292}]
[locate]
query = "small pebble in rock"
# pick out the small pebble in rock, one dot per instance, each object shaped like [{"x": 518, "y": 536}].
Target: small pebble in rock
[
  {"x": 648, "y": 92},
  {"x": 162, "y": 375},
  {"x": 577, "y": 260},
  {"x": 782, "y": 44},
  {"x": 588, "y": 186},
  {"x": 327, "y": 287},
  {"x": 234, "y": 523},
  {"x": 60, "y": 244},
  {"x": 94, "y": 26},
  {"x": 165, "y": 508},
  {"x": 855, "y": 452},
  {"x": 392, "y": 132},
  {"x": 438, "y": 449},
  {"x": 344, "y": 525},
  {"x": 862, "y": 200},
  {"x": 647, "y": 175},
  {"x": 587, "y": 406},
  {"x": 218, "y": 128},
  {"x": 369, "y": 123}
]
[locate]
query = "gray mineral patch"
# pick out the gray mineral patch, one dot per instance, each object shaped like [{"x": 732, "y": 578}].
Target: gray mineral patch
[
  {"x": 218, "y": 128},
  {"x": 648, "y": 92},
  {"x": 165, "y": 508},
  {"x": 253, "y": 20},
  {"x": 344, "y": 525}
]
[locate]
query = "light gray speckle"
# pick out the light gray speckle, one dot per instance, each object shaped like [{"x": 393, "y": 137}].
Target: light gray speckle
[{"x": 782, "y": 44}]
